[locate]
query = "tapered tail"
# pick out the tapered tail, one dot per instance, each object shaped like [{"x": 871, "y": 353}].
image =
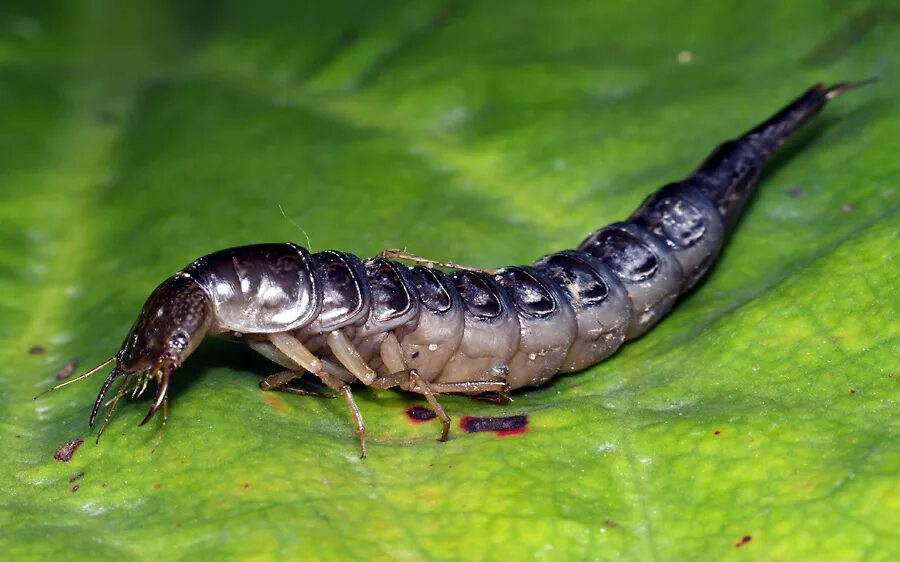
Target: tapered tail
[{"x": 727, "y": 176}]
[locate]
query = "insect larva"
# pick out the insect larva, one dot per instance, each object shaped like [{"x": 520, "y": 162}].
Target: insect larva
[{"x": 387, "y": 325}]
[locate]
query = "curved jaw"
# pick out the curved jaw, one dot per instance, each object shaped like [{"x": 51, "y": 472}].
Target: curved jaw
[
  {"x": 135, "y": 384},
  {"x": 173, "y": 321}
]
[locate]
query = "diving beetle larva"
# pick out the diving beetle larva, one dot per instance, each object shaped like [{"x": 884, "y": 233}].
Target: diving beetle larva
[{"x": 471, "y": 331}]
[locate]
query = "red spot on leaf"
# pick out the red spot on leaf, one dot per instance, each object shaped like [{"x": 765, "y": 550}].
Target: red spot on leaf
[
  {"x": 502, "y": 426},
  {"x": 420, "y": 414}
]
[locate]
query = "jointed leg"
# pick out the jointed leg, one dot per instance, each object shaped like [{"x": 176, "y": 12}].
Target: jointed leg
[
  {"x": 280, "y": 380},
  {"x": 424, "y": 388},
  {"x": 349, "y": 357},
  {"x": 401, "y": 254},
  {"x": 297, "y": 352},
  {"x": 470, "y": 387},
  {"x": 344, "y": 388}
]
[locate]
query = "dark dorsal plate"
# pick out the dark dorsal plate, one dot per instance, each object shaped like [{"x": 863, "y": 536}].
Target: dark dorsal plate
[
  {"x": 343, "y": 287},
  {"x": 529, "y": 294},
  {"x": 582, "y": 283},
  {"x": 433, "y": 290},
  {"x": 391, "y": 298},
  {"x": 671, "y": 216},
  {"x": 260, "y": 288},
  {"x": 628, "y": 256},
  {"x": 479, "y": 293}
]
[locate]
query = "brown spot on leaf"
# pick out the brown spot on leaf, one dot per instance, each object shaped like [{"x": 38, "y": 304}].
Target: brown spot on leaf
[
  {"x": 744, "y": 540},
  {"x": 67, "y": 370},
  {"x": 67, "y": 450},
  {"x": 610, "y": 523},
  {"x": 852, "y": 391},
  {"x": 76, "y": 487},
  {"x": 104, "y": 485},
  {"x": 157, "y": 485},
  {"x": 76, "y": 476},
  {"x": 36, "y": 350},
  {"x": 717, "y": 432},
  {"x": 246, "y": 486},
  {"x": 273, "y": 401},
  {"x": 419, "y": 414}
]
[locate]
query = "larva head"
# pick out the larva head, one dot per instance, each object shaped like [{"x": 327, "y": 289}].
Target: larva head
[{"x": 172, "y": 323}]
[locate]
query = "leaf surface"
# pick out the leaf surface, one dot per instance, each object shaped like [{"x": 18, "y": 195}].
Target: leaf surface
[{"x": 759, "y": 421}]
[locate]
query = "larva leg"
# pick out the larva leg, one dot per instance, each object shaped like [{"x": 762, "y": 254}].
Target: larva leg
[
  {"x": 391, "y": 354},
  {"x": 410, "y": 381},
  {"x": 346, "y": 353},
  {"x": 293, "y": 369},
  {"x": 401, "y": 254},
  {"x": 500, "y": 398},
  {"x": 279, "y": 381},
  {"x": 499, "y": 387},
  {"x": 298, "y": 353},
  {"x": 424, "y": 388},
  {"x": 344, "y": 388}
]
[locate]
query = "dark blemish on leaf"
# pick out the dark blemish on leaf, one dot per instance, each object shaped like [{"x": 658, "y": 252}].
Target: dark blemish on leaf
[
  {"x": 744, "y": 540},
  {"x": 67, "y": 370},
  {"x": 75, "y": 488},
  {"x": 104, "y": 485},
  {"x": 852, "y": 391},
  {"x": 36, "y": 350},
  {"x": 414, "y": 354},
  {"x": 178, "y": 524},
  {"x": 76, "y": 476},
  {"x": 67, "y": 451},
  {"x": 717, "y": 432},
  {"x": 847, "y": 208},
  {"x": 794, "y": 191},
  {"x": 157, "y": 485},
  {"x": 610, "y": 523},
  {"x": 246, "y": 486},
  {"x": 511, "y": 425},
  {"x": 419, "y": 414}
]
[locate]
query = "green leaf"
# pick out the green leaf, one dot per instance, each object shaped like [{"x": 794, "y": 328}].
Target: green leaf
[{"x": 759, "y": 421}]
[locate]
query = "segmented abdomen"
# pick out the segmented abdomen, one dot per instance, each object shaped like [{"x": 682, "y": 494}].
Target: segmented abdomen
[{"x": 565, "y": 312}]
